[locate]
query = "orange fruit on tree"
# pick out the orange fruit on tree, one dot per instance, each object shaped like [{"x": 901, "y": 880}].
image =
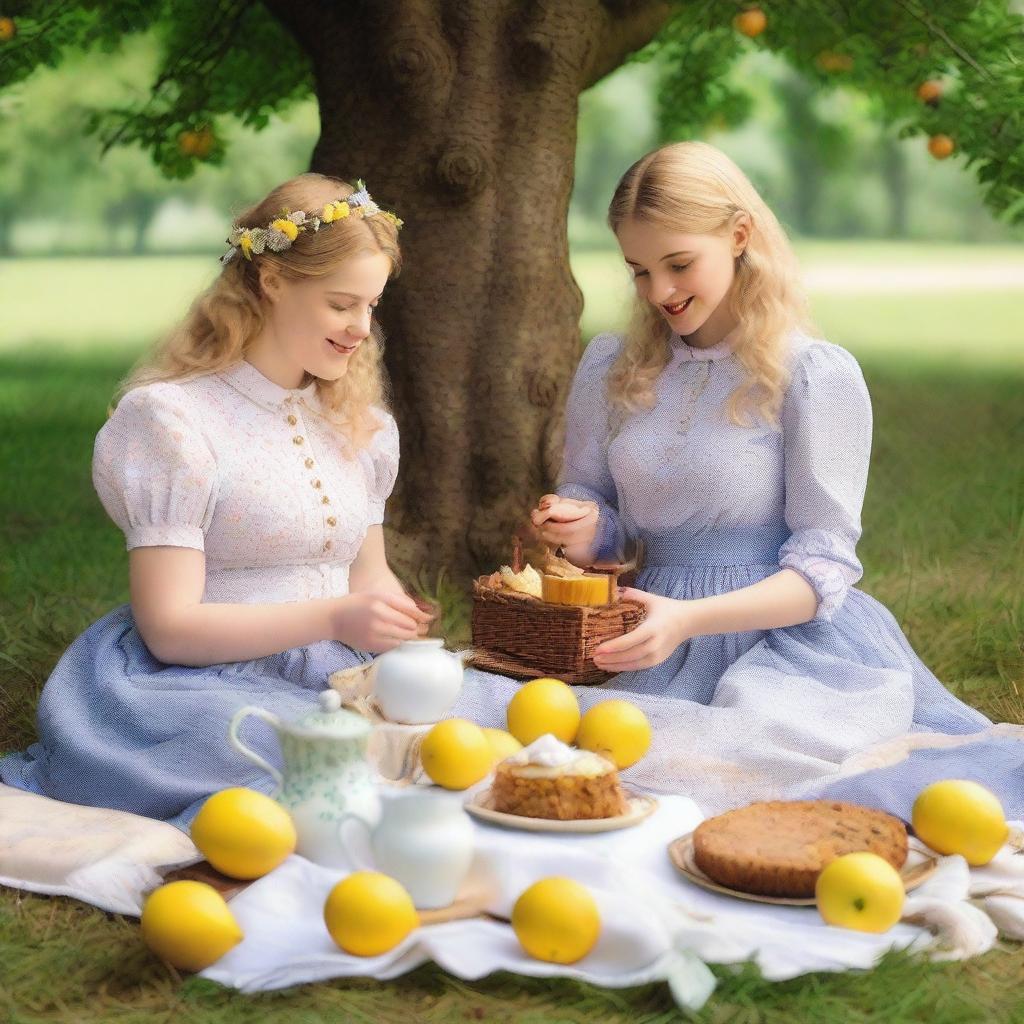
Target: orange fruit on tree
[
  {"x": 8, "y": 29},
  {"x": 930, "y": 91},
  {"x": 187, "y": 143},
  {"x": 751, "y": 22},
  {"x": 829, "y": 60},
  {"x": 204, "y": 142},
  {"x": 940, "y": 146},
  {"x": 196, "y": 142}
]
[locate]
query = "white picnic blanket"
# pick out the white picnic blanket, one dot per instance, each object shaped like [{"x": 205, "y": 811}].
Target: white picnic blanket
[{"x": 656, "y": 925}]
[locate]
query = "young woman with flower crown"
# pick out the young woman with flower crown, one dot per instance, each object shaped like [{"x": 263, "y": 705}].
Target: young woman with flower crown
[
  {"x": 735, "y": 445},
  {"x": 248, "y": 465}
]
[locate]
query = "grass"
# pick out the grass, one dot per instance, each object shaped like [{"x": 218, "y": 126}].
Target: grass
[{"x": 943, "y": 548}]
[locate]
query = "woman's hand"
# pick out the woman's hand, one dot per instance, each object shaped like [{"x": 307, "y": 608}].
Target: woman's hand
[
  {"x": 666, "y": 625},
  {"x": 377, "y": 621},
  {"x": 567, "y": 523}
]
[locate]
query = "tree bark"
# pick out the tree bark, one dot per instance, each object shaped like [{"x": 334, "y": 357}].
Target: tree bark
[{"x": 461, "y": 117}]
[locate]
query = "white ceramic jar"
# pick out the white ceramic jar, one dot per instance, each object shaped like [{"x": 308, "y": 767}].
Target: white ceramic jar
[{"x": 417, "y": 682}]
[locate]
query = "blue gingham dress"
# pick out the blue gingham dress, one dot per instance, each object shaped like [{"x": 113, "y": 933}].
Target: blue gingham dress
[{"x": 771, "y": 713}]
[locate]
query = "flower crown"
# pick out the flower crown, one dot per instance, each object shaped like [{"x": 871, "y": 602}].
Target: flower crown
[{"x": 279, "y": 234}]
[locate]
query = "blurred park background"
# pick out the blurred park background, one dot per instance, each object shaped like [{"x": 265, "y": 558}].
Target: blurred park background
[{"x": 905, "y": 265}]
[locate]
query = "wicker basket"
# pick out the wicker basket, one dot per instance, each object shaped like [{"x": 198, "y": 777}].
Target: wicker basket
[{"x": 525, "y": 638}]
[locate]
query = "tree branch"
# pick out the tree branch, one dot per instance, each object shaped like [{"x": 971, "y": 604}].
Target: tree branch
[
  {"x": 632, "y": 24},
  {"x": 938, "y": 30}
]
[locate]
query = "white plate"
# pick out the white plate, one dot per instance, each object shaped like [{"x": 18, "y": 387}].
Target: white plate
[
  {"x": 640, "y": 807},
  {"x": 915, "y": 871}
]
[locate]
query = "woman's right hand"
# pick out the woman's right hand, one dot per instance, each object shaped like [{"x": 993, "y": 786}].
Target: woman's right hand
[
  {"x": 376, "y": 621},
  {"x": 567, "y": 523}
]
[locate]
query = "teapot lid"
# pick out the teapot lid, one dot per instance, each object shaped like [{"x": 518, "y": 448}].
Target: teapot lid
[{"x": 332, "y": 719}]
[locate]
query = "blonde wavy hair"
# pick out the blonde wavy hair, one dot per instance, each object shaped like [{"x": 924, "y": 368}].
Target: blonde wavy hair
[
  {"x": 694, "y": 188},
  {"x": 225, "y": 319}
]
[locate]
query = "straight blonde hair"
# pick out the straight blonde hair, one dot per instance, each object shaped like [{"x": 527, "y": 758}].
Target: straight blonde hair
[
  {"x": 226, "y": 318},
  {"x": 694, "y": 188}
]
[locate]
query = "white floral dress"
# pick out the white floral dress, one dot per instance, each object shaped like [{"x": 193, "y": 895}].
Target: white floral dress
[{"x": 257, "y": 478}]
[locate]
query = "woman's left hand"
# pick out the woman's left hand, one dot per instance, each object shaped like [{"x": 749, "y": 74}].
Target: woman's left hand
[{"x": 666, "y": 625}]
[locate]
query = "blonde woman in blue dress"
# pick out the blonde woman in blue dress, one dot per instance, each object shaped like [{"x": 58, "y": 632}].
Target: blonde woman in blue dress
[
  {"x": 248, "y": 465},
  {"x": 735, "y": 444}
]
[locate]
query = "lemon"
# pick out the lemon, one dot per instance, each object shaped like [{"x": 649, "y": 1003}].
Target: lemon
[
  {"x": 456, "y": 754},
  {"x": 617, "y": 729},
  {"x": 957, "y": 816},
  {"x": 189, "y": 925},
  {"x": 557, "y": 920},
  {"x": 368, "y": 913},
  {"x": 541, "y": 706},
  {"x": 243, "y": 833},
  {"x": 503, "y": 744},
  {"x": 860, "y": 891}
]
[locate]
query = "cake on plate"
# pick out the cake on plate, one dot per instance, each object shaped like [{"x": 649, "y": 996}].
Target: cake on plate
[
  {"x": 548, "y": 779},
  {"x": 778, "y": 848}
]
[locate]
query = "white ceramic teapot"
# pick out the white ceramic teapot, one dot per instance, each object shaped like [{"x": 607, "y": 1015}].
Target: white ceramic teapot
[
  {"x": 424, "y": 840},
  {"x": 327, "y": 778},
  {"x": 418, "y": 681}
]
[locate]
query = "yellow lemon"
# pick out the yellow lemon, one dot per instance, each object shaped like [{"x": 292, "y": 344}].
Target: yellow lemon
[
  {"x": 368, "y": 913},
  {"x": 189, "y": 925},
  {"x": 456, "y": 754},
  {"x": 860, "y": 891},
  {"x": 557, "y": 920},
  {"x": 617, "y": 729},
  {"x": 957, "y": 816},
  {"x": 243, "y": 833},
  {"x": 503, "y": 744},
  {"x": 543, "y": 705}
]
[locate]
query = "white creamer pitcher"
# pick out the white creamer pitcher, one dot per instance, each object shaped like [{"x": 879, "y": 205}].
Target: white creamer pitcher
[{"x": 424, "y": 840}]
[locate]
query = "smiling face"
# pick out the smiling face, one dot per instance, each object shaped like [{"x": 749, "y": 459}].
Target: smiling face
[
  {"x": 315, "y": 325},
  {"x": 686, "y": 277}
]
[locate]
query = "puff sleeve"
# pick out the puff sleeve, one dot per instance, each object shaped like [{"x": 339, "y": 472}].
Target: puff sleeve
[
  {"x": 826, "y": 433},
  {"x": 154, "y": 471},
  {"x": 380, "y": 463},
  {"x": 585, "y": 475}
]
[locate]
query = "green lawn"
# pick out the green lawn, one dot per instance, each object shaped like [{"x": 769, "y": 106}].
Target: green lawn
[{"x": 943, "y": 548}]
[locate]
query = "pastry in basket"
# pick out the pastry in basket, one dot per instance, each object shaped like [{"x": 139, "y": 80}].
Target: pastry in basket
[
  {"x": 779, "y": 848},
  {"x": 548, "y": 779},
  {"x": 519, "y": 631}
]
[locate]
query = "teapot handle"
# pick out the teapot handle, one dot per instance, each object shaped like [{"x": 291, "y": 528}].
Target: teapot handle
[
  {"x": 233, "y": 729},
  {"x": 361, "y": 860}
]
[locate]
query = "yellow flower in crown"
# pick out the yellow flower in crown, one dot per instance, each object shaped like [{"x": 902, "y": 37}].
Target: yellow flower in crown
[
  {"x": 337, "y": 209},
  {"x": 286, "y": 227},
  {"x": 279, "y": 234}
]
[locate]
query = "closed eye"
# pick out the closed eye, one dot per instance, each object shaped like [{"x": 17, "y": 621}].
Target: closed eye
[{"x": 675, "y": 268}]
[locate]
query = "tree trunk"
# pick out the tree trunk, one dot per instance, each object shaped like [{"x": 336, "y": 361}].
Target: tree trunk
[
  {"x": 897, "y": 185},
  {"x": 461, "y": 117}
]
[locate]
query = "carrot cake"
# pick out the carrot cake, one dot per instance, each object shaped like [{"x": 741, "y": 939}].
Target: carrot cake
[
  {"x": 548, "y": 779},
  {"x": 779, "y": 848}
]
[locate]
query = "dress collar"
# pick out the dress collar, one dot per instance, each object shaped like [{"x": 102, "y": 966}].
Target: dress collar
[
  {"x": 691, "y": 353},
  {"x": 244, "y": 377}
]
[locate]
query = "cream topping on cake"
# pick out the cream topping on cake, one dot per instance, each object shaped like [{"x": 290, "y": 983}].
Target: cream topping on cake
[{"x": 547, "y": 755}]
